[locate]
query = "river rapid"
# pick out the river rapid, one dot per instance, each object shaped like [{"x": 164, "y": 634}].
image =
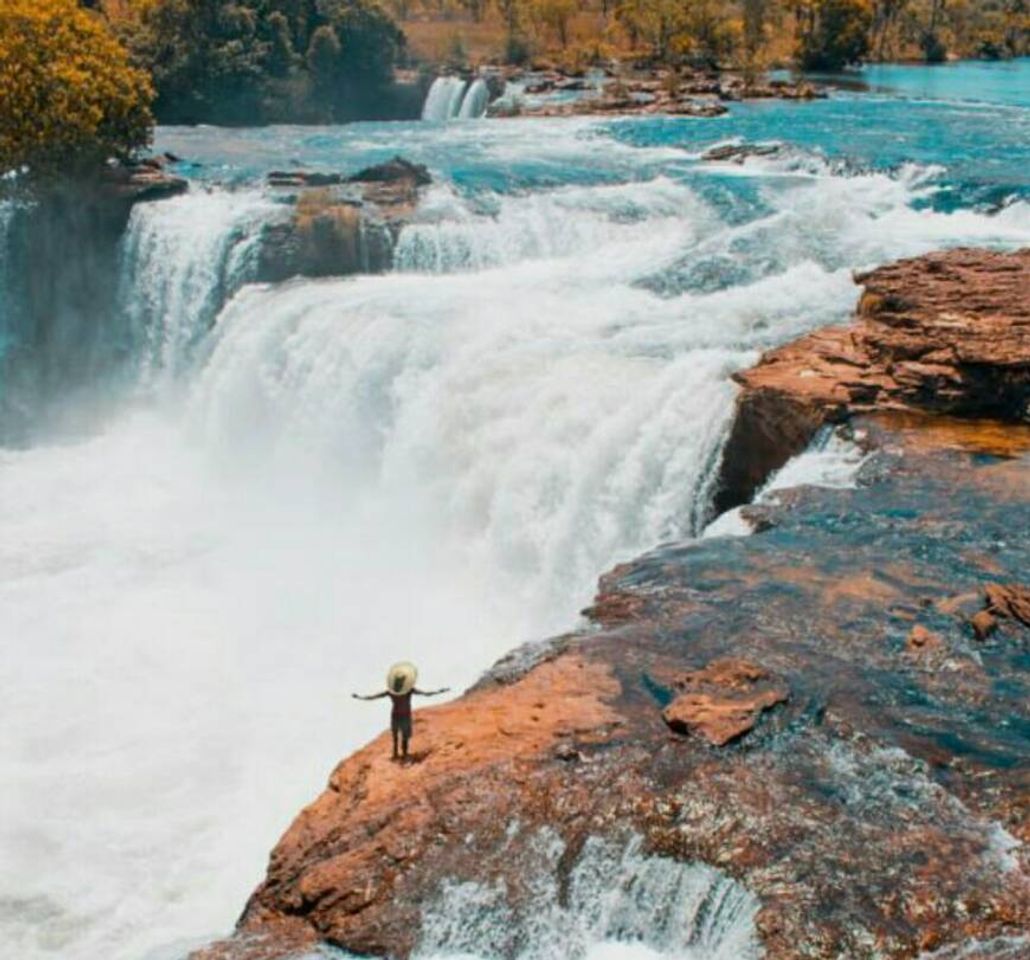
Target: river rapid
[{"x": 282, "y": 489}]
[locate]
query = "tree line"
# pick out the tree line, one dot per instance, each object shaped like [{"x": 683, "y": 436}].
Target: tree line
[{"x": 811, "y": 34}]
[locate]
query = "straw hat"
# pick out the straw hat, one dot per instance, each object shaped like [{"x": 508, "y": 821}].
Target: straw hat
[{"x": 401, "y": 677}]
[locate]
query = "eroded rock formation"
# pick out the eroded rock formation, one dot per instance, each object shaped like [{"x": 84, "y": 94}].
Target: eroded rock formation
[
  {"x": 723, "y": 700},
  {"x": 341, "y": 225},
  {"x": 946, "y": 333}
]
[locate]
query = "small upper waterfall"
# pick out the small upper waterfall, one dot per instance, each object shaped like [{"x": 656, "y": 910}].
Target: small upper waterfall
[
  {"x": 444, "y": 99},
  {"x": 475, "y": 101},
  {"x": 451, "y": 98}
]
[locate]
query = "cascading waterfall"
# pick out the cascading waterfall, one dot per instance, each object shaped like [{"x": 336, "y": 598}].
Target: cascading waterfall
[
  {"x": 434, "y": 463},
  {"x": 474, "y": 103},
  {"x": 619, "y": 902},
  {"x": 451, "y": 98},
  {"x": 181, "y": 260},
  {"x": 7, "y": 213}
]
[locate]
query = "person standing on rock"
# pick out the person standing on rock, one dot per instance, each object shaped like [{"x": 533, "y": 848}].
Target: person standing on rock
[{"x": 400, "y": 687}]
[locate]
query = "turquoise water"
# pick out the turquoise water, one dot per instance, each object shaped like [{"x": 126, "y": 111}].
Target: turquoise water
[
  {"x": 1003, "y": 81},
  {"x": 970, "y": 120}
]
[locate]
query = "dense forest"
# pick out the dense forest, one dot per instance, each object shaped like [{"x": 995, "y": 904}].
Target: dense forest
[
  {"x": 812, "y": 34},
  {"x": 86, "y": 78}
]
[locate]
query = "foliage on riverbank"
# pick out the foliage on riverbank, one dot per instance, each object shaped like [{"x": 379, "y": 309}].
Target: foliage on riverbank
[
  {"x": 69, "y": 94},
  {"x": 262, "y": 60}
]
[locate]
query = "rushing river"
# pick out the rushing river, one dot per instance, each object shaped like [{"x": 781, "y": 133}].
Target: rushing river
[{"x": 286, "y": 488}]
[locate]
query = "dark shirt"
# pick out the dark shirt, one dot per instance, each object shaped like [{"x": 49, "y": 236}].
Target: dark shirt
[{"x": 401, "y": 704}]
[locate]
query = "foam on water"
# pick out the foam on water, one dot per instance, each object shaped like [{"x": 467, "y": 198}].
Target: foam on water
[
  {"x": 432, "y": 464},
  {"x": 619, "y": 904}
]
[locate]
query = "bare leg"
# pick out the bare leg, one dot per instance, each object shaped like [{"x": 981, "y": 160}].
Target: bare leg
[
  {"x": 404, "y": 745},
  {"x": 395, "y": 753}
]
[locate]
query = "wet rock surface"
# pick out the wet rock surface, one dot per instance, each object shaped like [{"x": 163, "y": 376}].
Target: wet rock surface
[
  {"x": 856, "y": 757},
  {"x": 694, "y": 94},
  {"x": 128, "y": 184},
  {"x": 880, "y": 811},
  {"x": 341, "y": 224},
  {"x": 723, "y": 700}
]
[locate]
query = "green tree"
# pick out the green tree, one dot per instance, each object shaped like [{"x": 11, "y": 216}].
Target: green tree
[
  {"x": 554, "y": 15},
  {"x": 753, "y": 29},
  {"x": 70, "y": 96},
  {"x": 281, "y": 57},
  {"x": 324, "y": 61},
  {"x": 832, "y": 33},
  {"x": 206, "y": 57}
]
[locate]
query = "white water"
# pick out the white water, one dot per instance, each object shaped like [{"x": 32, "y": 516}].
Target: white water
[
  {"x": 474, "y": 103},
  {"x": 181, "y": 259},
  {"x": 433, "y": 464},
  {"x": 621, "y": 905},
  {"x": 829, "y": 461},
  {"x": 444, "y": 99}
]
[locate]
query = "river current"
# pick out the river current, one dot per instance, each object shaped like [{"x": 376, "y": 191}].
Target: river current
[{"x": 285, "y": 488}]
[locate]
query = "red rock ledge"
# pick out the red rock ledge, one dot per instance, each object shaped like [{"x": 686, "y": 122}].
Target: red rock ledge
[
  {"x": 810, "y": 711},
  {"x": 947, "y": 333}
]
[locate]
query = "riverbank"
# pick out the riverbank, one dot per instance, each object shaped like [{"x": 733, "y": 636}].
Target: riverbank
[{"x": 814, "y": 722}]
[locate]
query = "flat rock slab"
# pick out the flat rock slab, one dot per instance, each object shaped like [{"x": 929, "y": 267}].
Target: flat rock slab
[{"x": 724, "y": 700}]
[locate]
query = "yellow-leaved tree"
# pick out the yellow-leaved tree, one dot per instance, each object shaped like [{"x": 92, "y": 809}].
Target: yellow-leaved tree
[{"x": 68, "y": 96}]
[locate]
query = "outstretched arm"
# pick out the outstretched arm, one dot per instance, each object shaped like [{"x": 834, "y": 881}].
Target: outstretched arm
[
  {"x": 371, "y": 696},
  {"x": 431, "y": 693}
]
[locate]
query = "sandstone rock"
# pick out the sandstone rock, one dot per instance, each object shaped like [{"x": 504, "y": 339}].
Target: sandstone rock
[
  {"x": 984, "y": 624},
  {"x": 303, "y": 178},
  {"x": 142, "y": 182},
  {"x": 1009, "y": 600},
  {"x": 946, "y": 333},
  {"x": 340, "y": 226},
  {"x": 723, "y": 701},
  {"x": 883, "y": 815},
  {"x": 327, "y": 236},
  {"x": 923, "y": 641},
  {"x": 394, "y": 171}
]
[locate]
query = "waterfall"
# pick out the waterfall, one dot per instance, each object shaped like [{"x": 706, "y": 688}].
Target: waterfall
[
  {"x": 475, "y": 101},
  {"x": 436, "y": 462},
  {"x": 7, "y": 298},
  {"x": 181, "y": 259},
  {"x": 620, "y": 903},
  {"x": 444, "y": 100}
]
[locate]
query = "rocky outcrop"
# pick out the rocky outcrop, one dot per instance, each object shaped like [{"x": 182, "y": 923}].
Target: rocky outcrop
[
  {"x": 842, "y": 748},
  {"x": 879, "y": 811},
  {"x": 946, "y": 333},
  {"x": 341, "y": 225},
  {"x": 147, "y": 180},
  {"x": 660, "y": 91},
  {"x": 739, "y": 152}
]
